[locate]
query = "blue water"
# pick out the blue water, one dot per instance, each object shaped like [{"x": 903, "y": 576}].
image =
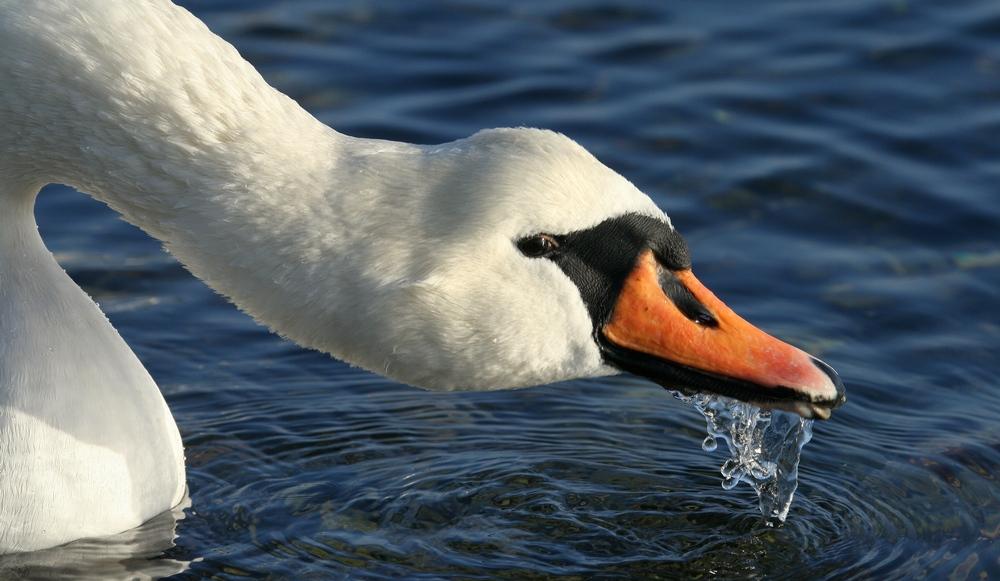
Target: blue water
[{"x": 835, "y": 168}]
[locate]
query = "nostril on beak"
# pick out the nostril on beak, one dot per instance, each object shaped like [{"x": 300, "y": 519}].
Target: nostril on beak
[
  {"x": 837, "y": 383},
  {"x": 684, "y": 299}
]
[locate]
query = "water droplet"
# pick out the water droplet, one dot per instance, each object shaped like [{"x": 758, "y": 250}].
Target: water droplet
[{"x": 764, "y": 447}]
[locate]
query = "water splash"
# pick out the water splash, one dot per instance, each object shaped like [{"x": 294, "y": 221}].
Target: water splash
[{"x": 764, "y": 449}]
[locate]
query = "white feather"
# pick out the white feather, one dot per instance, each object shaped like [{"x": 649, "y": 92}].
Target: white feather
[{"x": 394, "y": 257}]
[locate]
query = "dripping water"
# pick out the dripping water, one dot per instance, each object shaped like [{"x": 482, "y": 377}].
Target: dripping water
[{"x": 764, "y": 449}]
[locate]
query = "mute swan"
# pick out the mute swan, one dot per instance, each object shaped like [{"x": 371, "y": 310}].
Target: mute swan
[{"x": 507, "y": 259}]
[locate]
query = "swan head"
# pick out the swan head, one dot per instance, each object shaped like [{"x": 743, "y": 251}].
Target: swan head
[{"x": 515, "y": 258}]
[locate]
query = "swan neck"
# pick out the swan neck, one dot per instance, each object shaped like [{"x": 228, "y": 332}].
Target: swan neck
[
  {"x": 149, "y": 112},
  {"x": 176, "y": 126}
]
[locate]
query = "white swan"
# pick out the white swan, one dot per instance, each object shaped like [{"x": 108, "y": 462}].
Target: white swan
[{"x": 507, "y": 259}]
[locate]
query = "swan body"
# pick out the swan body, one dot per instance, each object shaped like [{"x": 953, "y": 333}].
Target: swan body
[{"x": 402, "y": 259}]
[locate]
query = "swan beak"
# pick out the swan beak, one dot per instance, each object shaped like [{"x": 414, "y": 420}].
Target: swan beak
[{"x": 669, "y": 327}]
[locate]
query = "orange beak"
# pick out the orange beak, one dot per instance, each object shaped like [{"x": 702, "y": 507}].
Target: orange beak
[{"x": 715, "y": 351}]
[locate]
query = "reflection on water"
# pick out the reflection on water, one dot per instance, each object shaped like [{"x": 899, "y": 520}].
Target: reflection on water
[
  {"x": 141, "y": 553},
  {"x": 833, "y": 166}
]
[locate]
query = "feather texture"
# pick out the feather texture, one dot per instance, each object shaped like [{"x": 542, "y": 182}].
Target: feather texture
[{"x": 395, "y": 257}]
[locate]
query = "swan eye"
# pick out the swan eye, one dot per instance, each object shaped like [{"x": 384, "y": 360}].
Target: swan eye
[{"x": 538, "y": 246}]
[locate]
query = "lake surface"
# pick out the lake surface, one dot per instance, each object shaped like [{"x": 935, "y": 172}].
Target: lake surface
[{"x": 835, "y": 168}]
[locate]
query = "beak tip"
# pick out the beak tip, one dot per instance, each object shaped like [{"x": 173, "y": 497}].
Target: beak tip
[{"x": 840, "y": 392}]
